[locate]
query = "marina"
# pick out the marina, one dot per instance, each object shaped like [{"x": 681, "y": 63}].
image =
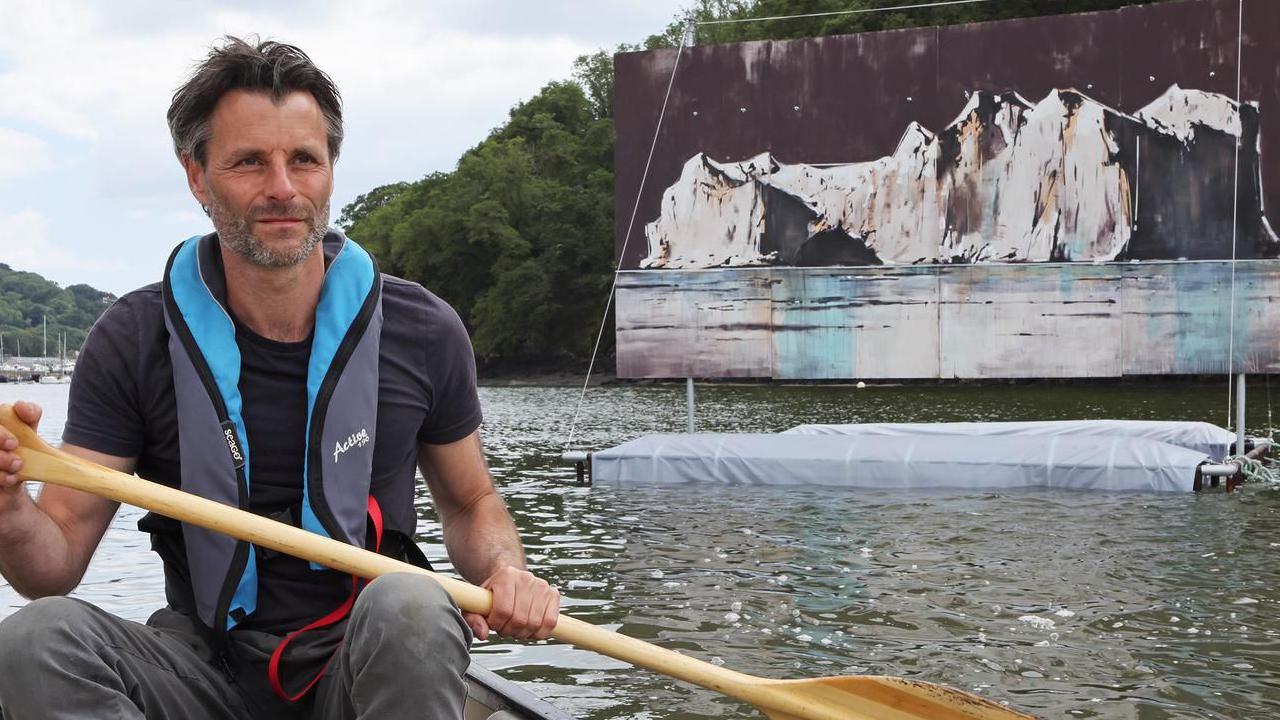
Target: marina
[
  {"x": 44, "y": 368},
  {"x": 37, "y": 370}
]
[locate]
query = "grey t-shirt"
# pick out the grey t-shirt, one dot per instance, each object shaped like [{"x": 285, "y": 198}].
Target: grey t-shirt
[{"x": 122, "y": 403}]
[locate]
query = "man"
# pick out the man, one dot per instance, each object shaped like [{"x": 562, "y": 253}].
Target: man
[{"x": 275, "y": 369}]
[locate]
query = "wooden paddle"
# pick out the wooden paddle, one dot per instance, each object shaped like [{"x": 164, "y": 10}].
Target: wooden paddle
[{"x": 858, "y": 697}]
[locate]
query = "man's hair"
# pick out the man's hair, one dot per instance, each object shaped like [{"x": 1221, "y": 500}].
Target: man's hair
[{"x": 269, "y": 67}]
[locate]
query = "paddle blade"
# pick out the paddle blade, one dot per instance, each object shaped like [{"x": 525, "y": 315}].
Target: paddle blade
[{"x": 869, "y": 697}]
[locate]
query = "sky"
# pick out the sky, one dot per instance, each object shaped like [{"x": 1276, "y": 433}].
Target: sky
[{"x": 90, "y": 190}]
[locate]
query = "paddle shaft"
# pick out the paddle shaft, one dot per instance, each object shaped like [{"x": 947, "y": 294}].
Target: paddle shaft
[{"x": 61, "y": 469}]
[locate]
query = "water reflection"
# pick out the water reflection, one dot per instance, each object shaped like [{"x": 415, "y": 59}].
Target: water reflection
[{"x": 1065, "y": 604}]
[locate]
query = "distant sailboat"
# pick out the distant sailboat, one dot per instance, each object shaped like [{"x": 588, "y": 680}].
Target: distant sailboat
[{"x": 57, "y": 372}]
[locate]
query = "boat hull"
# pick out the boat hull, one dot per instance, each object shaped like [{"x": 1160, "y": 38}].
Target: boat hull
[{"x": 490, "y": 697}]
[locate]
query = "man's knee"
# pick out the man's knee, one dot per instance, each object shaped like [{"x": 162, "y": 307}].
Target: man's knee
[
  {"x": 41, "y": 634},
  {"x": 41, "y": 620},
  {"x": 410, "y": 608},
  {"x": 404, "y": 599},
  {"x": 405, "y": 630}
]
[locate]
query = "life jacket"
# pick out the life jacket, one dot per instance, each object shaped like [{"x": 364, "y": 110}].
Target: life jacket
[{"x": 342, "y": 405}]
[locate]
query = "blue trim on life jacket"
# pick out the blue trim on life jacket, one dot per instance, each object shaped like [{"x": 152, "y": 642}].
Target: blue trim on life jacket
[
  {"x": 215, "y": 334},
  {"x": 348, "y": 281}
]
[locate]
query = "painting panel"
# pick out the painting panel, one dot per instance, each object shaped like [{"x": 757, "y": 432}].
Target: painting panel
[
  {"x": 694, "y": 324},
  {"x": 1029, "y": 321},
  {"x": 1177, "y": 318}
]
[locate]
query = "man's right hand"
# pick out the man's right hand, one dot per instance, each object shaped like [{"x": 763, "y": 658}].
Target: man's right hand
[
  {"x": 46, "y": 545},
  {"x": 10, "y": 463}
]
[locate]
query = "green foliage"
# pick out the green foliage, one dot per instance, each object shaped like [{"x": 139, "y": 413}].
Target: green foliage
[
  {"x": 809, "y": 18},
  {"x": 27, "y": 299},
  {"x": 360, "y": 208},
  {"x": 519, "y": 236},
  {"x": 595, "y": 74}
]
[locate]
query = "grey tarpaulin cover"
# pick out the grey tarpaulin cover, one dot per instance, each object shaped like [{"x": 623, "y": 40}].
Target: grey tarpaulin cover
[
  {"x": 1199, "y": 436},
  {"x": 889, "y": 461}
]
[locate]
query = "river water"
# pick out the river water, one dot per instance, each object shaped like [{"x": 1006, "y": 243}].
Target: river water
[{"x": 1065, "y": 604}]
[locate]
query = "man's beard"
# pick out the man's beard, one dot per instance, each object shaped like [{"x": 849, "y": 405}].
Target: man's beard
[{"x": 236, "y": 231}]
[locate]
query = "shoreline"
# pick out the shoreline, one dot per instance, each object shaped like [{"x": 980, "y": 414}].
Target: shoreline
[
  {"x": 575, "y": 379},
  {"x": 543, "y": 379}
]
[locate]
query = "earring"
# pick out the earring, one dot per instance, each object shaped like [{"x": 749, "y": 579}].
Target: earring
[{"x": 205, "y": 208}]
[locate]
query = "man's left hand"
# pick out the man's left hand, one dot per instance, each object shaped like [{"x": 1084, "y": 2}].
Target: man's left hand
[{"x": 524, "y": 606}]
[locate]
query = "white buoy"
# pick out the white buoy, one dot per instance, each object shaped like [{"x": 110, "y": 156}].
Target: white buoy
[{"x": 861, "y": 385}]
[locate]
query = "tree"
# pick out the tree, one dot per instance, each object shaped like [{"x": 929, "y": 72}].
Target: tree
[
  {"x": 28, "y": 302},
  {"x": 515, "y": 238},
  {"x": 814, "y": 18},
  {"x": 594, "y": 73},
  {"x": 360, "y": 208}
]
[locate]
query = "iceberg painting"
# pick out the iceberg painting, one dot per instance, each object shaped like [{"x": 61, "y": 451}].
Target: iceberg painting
[{"x": 1064, "y": 179}]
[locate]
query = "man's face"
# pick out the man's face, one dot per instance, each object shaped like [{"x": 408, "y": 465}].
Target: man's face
[{"x": 267, "y": 177}]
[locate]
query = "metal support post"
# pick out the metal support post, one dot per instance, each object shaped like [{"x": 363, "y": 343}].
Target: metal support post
[
  {"x": 689, "y": 387},
  {"x": 1240, "y": 414}
]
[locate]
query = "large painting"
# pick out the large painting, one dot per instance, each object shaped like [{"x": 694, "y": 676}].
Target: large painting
[
  {"x": 1007, "y": 181},
  {"x": 877, "y": 205}
]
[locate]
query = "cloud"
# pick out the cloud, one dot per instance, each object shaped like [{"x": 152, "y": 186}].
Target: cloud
[
  {"x": 84, "y": 88},
  {"x": 21, "y": 154},
  {"x": 102, "y": 83},
  {"x": 24, "y": 236},
  {"x": 26, "y": 244}
]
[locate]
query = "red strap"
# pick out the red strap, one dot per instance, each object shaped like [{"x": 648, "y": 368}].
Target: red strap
[
  {"x": 338, "y": 613},
  {"x": 375, "y": 516}
]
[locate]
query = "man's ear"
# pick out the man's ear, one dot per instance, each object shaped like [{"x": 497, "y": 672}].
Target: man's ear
[{"x": 195, "y": 179}]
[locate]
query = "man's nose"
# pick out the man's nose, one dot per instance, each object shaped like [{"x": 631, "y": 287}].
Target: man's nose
[{"x": 279, "y": 184}]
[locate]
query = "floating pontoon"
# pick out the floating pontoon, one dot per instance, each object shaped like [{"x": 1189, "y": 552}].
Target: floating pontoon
[
  {"x": 1202, "y": 437},
  {"x": 1110, "y": 455}
]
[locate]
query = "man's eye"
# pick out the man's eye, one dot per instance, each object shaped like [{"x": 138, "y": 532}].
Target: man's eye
[
  {"x": 249, "y": 161},
  {"x": 304, "y": 159}
]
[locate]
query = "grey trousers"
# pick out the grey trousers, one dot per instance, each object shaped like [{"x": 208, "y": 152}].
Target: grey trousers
[{"x": 403, "y": 655}]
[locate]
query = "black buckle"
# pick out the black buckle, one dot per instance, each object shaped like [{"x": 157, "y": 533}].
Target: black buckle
[{"x": 291, "y": 516}]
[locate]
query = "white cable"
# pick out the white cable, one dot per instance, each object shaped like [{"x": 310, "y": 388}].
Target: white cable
[
  {"x": 1235, "y": 211},
  {"x": 858, "y": 11},
  {"x": 635, "y": 208}
]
